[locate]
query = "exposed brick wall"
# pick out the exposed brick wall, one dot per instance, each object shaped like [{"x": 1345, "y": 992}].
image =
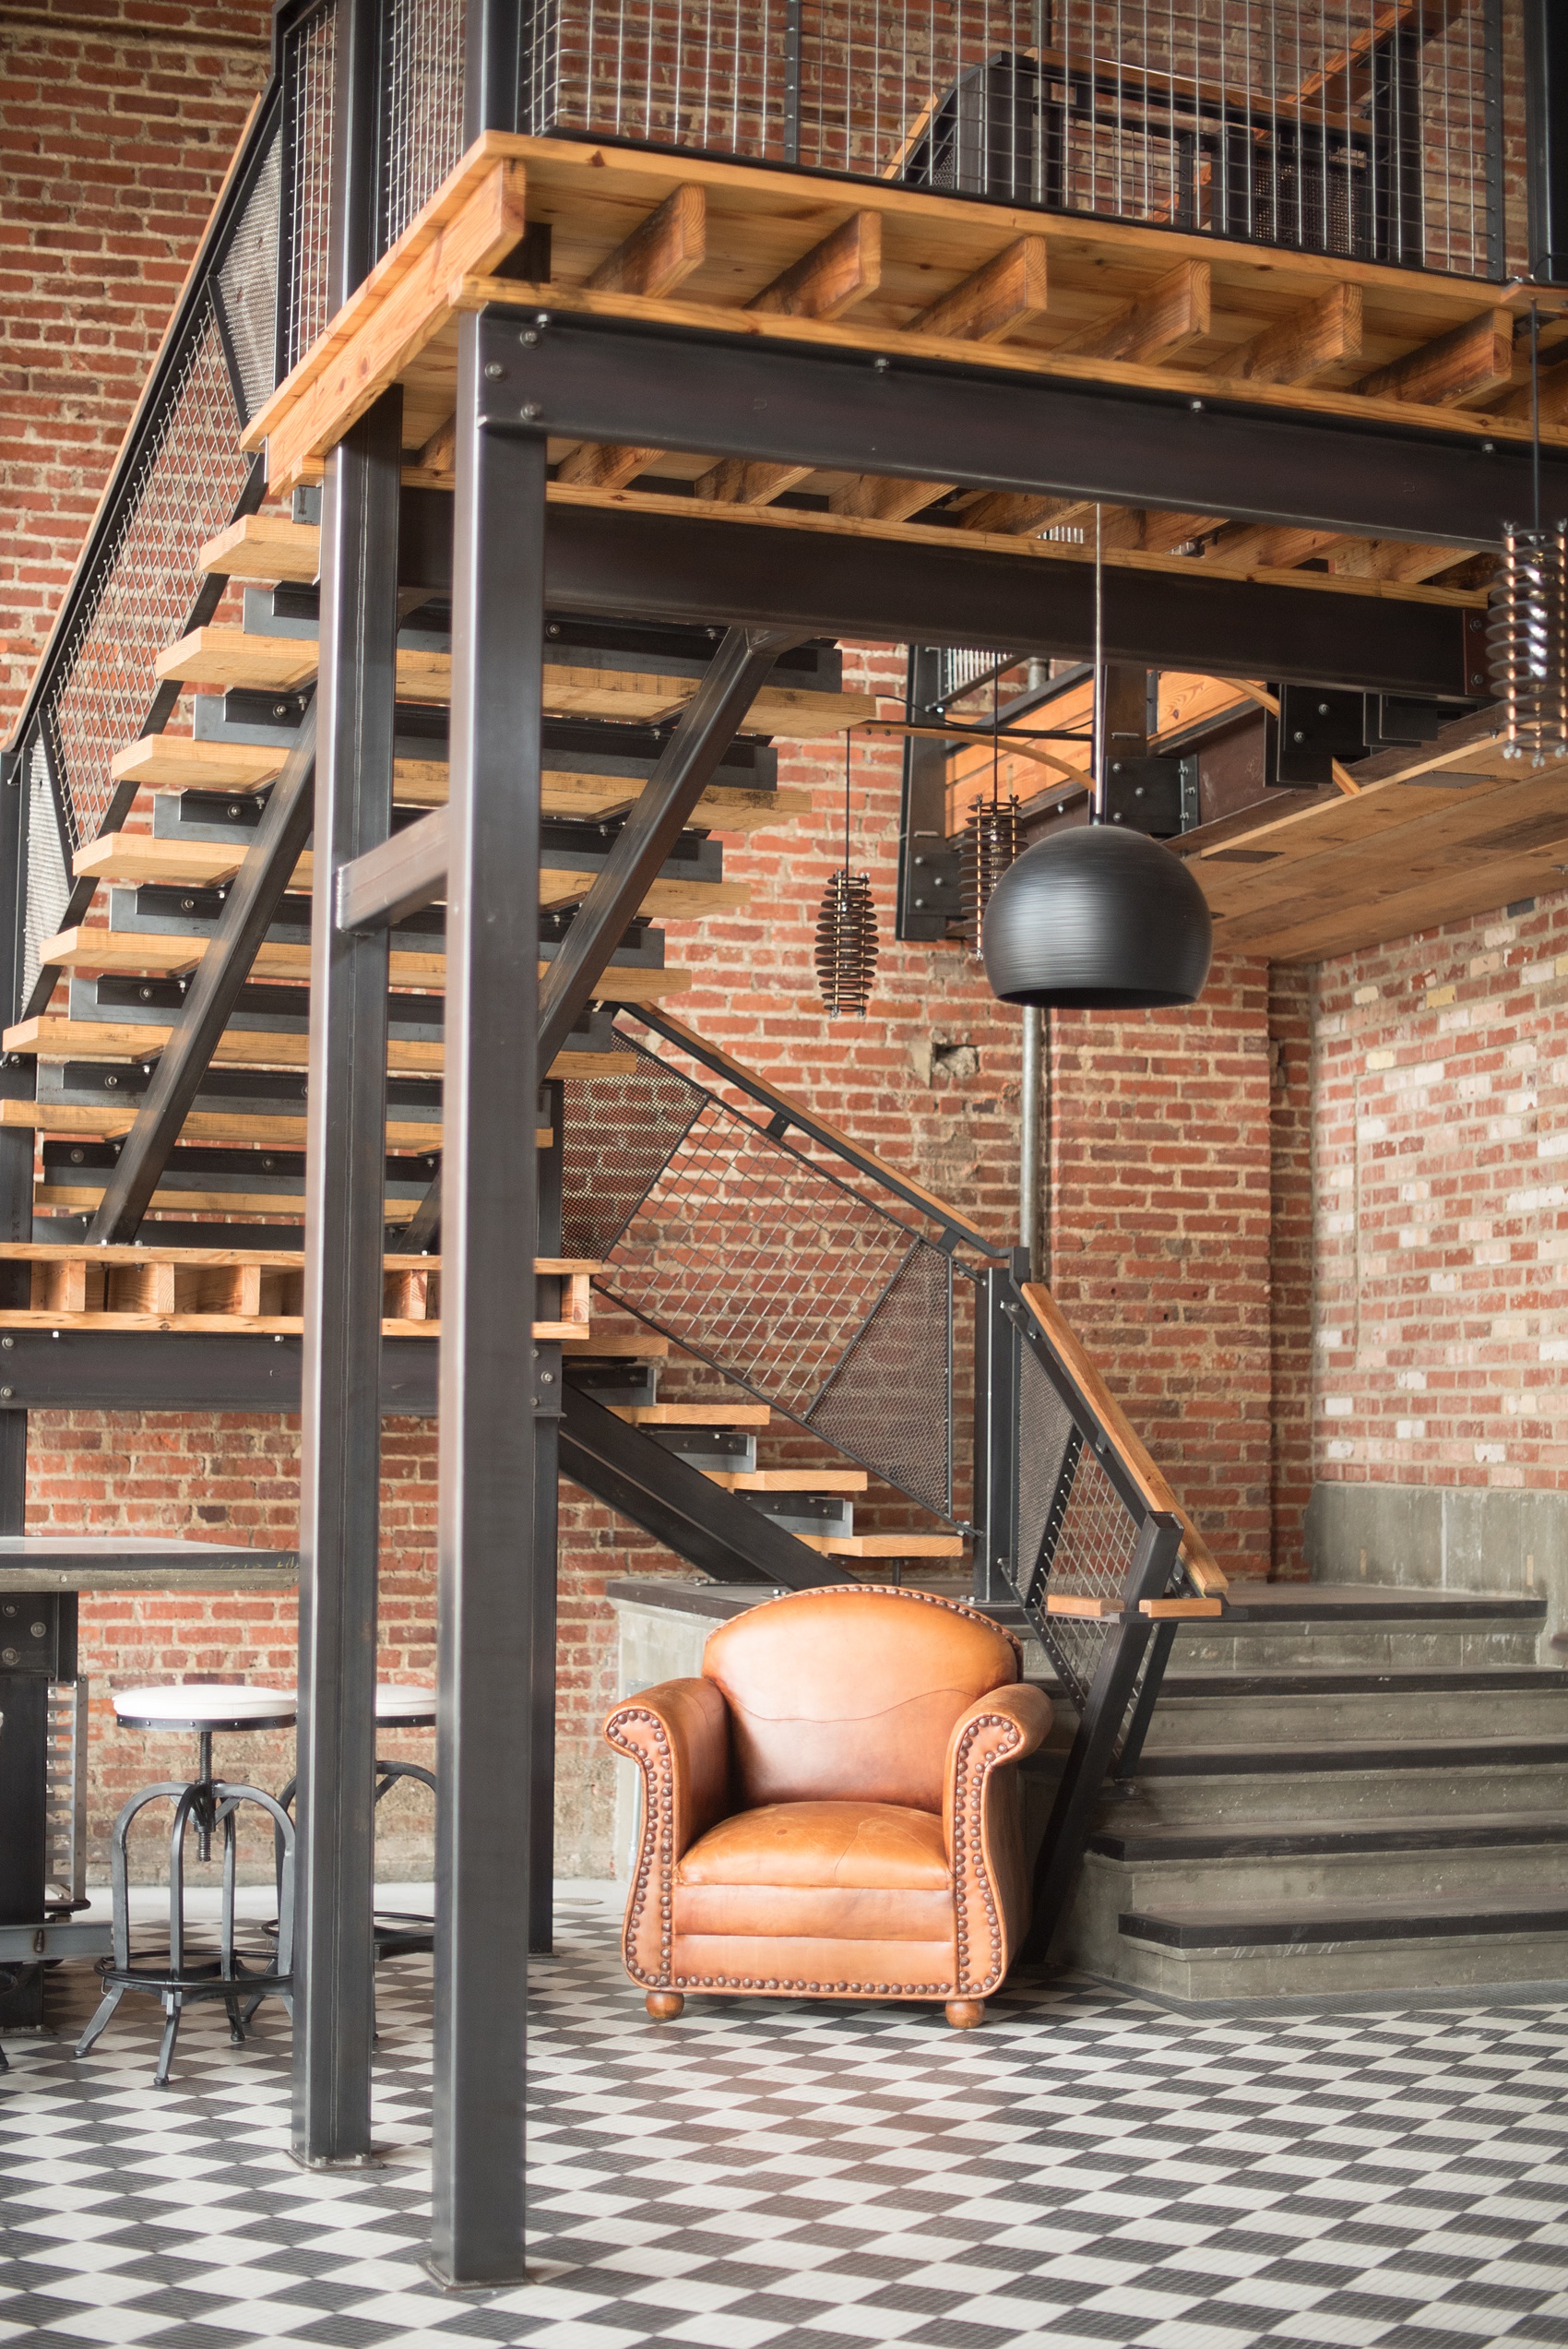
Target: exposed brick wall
[
  {"x": 116, "y": 125},
  {"x": 1159, "y": 1228},
  {"x": 1443, "y": 1225},
  {"x": 1290, "y": 1260}
]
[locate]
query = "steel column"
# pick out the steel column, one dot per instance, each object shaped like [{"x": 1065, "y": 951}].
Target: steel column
[
  {"x": 1208, "y": 452},
  {"x": 1546, "y": 147},
  {"x": 486, "y": 1562},
  {"x": 340, "y": 1414},
  {"x": 547, "y": 1365},
  {"x": 359, "y": 164},
  {"x": 495, "y": 35}
]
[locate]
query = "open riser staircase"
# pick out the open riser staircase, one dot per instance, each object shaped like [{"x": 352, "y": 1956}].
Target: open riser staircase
[{"x": 721, "y": 1271}]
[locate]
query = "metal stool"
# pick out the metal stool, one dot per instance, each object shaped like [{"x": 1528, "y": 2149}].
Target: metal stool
[
  {"x": 207, "y": 1803},
  {"x": 397, "y": 1934}
]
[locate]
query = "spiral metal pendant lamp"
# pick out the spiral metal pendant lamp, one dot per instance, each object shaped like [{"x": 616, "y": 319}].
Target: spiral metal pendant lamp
[
  {"x": 991, "y": 838},
  {"x": 1527, "y": 620},
  {"x": 1095, "y": 917},
  {"x": 846, "y": 931}
]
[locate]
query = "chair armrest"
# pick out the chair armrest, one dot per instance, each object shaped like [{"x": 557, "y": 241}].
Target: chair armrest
[
  {"x": 983, "y": 1848},
  {"x": 679, "y": 1737}
]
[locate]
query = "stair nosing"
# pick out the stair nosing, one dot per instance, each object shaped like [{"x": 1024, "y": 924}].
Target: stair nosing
[
  {"x": 1328, "y": 1838},
  {"x": 1391, "y": 1920}
]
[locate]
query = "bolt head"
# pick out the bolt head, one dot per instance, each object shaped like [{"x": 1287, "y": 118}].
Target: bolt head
[
  {"x": 530, "y": 411},
  {"x": 1196, "y": 406},
  {"x": 494, "y": 370},
  {"x": 529, "y": 335}
]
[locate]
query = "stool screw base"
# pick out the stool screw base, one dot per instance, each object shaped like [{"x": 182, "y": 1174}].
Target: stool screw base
[{"x": 665, "y": 2006}]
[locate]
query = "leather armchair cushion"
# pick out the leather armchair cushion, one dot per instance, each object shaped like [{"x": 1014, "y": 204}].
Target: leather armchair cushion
[
  {"x": 851, "y": 1693},
  {"x": 829, "y": 1871}
]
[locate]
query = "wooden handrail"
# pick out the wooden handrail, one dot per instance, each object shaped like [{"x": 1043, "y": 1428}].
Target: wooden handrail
[{"x": 1131, "y": 1450}]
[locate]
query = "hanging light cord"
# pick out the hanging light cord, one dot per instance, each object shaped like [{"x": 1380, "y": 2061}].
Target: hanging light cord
[
  {"x": 1097, "y": 801},
  {"x": 1534, "y": 413}
]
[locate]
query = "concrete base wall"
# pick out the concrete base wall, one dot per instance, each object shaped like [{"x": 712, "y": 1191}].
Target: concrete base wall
[{"x": 1442, "y": 1537}]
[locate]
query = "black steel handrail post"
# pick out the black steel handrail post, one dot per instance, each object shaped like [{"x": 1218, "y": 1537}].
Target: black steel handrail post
[
  {"x": 995, "y": 1546},
  {"x": 1099, "y": 1726}
]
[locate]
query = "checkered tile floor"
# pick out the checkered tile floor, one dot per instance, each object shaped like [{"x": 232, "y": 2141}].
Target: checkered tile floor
[{"x": 1087, "y": 2170}]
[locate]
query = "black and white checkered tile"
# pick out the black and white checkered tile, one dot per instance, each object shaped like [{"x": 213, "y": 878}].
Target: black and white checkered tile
[{"x": 1087, "y": 2170}]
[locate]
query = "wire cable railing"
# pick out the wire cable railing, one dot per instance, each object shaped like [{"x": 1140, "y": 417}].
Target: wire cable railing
[{"x": 1364, "y": 128}]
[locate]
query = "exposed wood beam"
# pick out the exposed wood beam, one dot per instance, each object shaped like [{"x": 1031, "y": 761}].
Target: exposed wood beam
[
  {"x": 841, "y": 270},
  {"x": 994, "y": 300},
  {"x": 1157, "y": 327},
  {"x": 1321, "y": 334},
  {"x": 1383, "y": 558},
  {"x": 439, "y": 454},
  {"x": 1267, "y": 546},
  {"x": 870, "y": 498},
  {"x": 1464, "y": 364},
  {"x": 1016, "y": 513},
  {"x": 740, "y": 481},
  {"x": 1162, "y": 534},
  {"x": 1553, "y": 398},
  {"x": 660, "y": 253},
  {"x": 987, "y": 306},
  {"x": 662, "y": 250}
]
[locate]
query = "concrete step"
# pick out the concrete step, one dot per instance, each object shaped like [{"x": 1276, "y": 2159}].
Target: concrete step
[
  {"x": 1325, "y": 1949},
  {"x": 1295, "y": 1627},
  {"x": 1350, "y": 1778},
  {"x": 1327, "y": 1706},
  {"x": 1508, "y": 1854}
]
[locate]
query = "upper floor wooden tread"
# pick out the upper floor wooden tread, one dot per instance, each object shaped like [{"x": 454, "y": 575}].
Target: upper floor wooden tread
[
  {"x": 1444, "y": 832},
  {"x": 745, "y": 230}
]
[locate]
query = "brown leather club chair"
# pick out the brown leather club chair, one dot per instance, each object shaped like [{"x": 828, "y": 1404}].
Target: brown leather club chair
[{"x": 832, "y": 1809}]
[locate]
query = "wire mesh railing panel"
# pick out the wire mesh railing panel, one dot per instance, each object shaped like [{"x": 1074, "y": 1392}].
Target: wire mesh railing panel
[
  {"x": 785, "y": 1279},
  {"x": 1095, "y": 1546},
  {"x": 244, "y": 291},
  {"x": 306, "y": 193},
  {"x": 1345, "y": 127},
  {"x": 878, "y": 1400},
  {"x": 618, "y": 1134},
  {"x": 1046, "y": 1435},
  {"x": 183, "y": 491},
  {"x": 48, "y": 881},
  {"x": 424, "y": 106}
]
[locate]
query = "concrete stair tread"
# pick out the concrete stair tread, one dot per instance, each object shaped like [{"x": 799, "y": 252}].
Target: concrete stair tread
[
  {"x": 1391, "y": 1680},
  {"x": 1400, "y": 1917},
  {"x": 1312, "y": 1838},
  {"x": 1254, "y": 1601},
  {"x": 1358, "y": 1753}
]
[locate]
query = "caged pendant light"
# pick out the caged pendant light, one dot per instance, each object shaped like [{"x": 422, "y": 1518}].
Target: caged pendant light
[
  {"x": 1527, "y": 618},
  {"x": 991, "y": 838},
  {"x": 1097, "y": 917},
  {"x": 846, "y": 931}
]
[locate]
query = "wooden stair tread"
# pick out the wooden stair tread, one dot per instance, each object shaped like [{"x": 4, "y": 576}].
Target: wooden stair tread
[
  {"x": 885, "y": 1545},
  {"x": 179, "y": 762},
  {"x": 221, "y": 658},
  {"x": 164, "y": 954},
  {"x": 694, "y": 1414},
  {"x": 48, "y": 1038},
  {"x": 111, "y": 1122},
  {"x": 139, "y": 859},
  {"x": 789, "y": 1480}
]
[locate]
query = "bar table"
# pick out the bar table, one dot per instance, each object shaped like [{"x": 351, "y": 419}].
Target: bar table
[{"x": 43, "y": 1726}]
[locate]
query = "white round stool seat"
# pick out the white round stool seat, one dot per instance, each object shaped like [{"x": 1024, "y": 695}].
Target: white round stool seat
[
  {"x": 400, "y": 1706},
  {"x": 205, "y": 1705}
]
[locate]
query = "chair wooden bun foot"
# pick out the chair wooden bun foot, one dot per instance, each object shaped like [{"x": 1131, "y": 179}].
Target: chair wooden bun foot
[
  {"x": 965, "y": 2014},
  {"x": 664, "y": 2006}
]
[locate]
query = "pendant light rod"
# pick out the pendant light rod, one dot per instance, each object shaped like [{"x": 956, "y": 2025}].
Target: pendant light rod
[
  {"x": 1097, "y": 801},
  {"x": 1534, "y": 413}
]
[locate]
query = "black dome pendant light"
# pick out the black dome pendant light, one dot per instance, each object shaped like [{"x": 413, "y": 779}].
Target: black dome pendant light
[{"x": 1093, "y": 917}]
